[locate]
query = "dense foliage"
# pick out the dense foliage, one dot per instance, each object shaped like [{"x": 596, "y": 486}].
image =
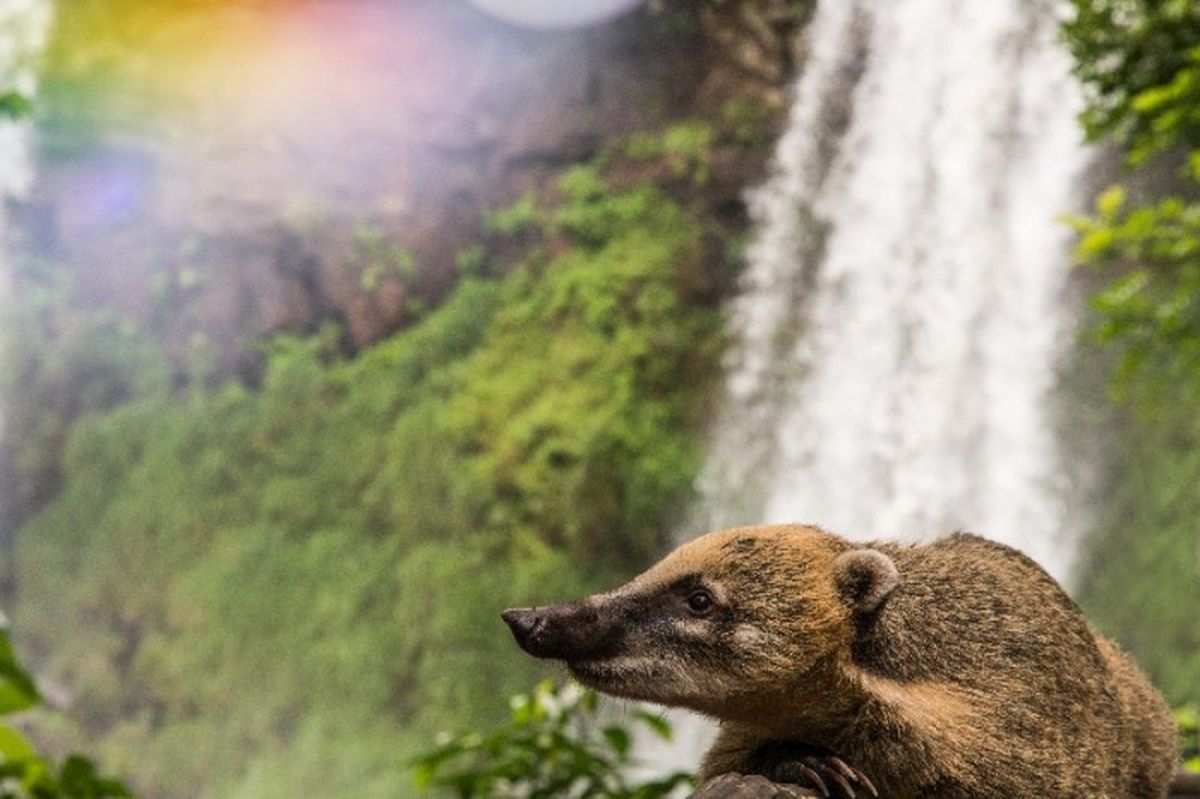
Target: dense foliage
[
  {"x": 24, "y": 773},
  {"x": 262, "y": 590},
  {"x": 56, "y": 368},
  {"x": 1140, "y": 64},
  {"x": 1137, "y": 60},
  {"x": 1188, "y": 718},
  {"x": 557, "y": 744}
]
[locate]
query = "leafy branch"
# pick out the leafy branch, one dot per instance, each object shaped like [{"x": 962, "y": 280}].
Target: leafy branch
[
  {"x": 557, "y": 743},
  {"x": 25, "y": 774}
]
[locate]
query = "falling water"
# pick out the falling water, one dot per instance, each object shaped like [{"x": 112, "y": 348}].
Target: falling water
[
  {"x": 23, "y": 26},
  {"x": 905, "y": 304}
]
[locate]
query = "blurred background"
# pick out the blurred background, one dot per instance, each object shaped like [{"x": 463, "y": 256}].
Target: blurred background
[{"x": 329, "y": 328}]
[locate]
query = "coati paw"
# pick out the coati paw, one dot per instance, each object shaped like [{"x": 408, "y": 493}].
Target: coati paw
[
  {"x": 750, "y": 786},
  {"x": 814, "y": 767}
]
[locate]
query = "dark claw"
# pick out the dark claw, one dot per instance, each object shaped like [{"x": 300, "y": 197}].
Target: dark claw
[
  {"x": 841, "y": 766},
  {"x": 841, "y": 781},
  {"x": 854, "y": 775},
  {"x": 811, "y": 766},
  {"x": 837, "y": 771},
  {"x": 815, "y": 778},
  {"x": 866, "y": 781}
]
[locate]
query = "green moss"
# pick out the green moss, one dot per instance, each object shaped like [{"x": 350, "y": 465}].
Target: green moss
[
  {"x": 685, "y": 148},
  {"x": 379, "y": 258},
  {"x": 512, "y": 220},
  {"x": 57, "y": 365},
  {"x": 473, "y": 262},
  {"x": 593, "y": 432},
  {"x": 748, "y": 122}
]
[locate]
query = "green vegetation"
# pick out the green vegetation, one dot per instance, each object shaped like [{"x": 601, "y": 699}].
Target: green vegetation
[
  {"x": 512, "y": 220},
  {"x": 1140, "y": 64},
  {"x": 748, "y": 122},
  {"x": 473, "y": 262},
  {"x": 24, "y": 773},
  {"x": 686, "y": 149},
  {"x": 259, "y": 591},
  {"x": 379, "y": 258},
  {"x": 59, "y": 365},
  {"x": 14, "y": 105},
  {"x": 1188, "y": 718},
  {"x": 556, "y": 743}
]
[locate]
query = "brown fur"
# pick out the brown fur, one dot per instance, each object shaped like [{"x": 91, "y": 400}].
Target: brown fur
[{"x": 971, "y": 676}]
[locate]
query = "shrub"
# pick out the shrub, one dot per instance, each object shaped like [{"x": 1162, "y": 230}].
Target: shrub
[
  {"x": 514, "y": 219},
  {"x": 686, "y": 149},
  {"x": 557, "y": 744},
  {"x": 378, "y": 258}
]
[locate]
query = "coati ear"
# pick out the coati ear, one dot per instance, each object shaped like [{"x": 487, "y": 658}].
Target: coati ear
[{"x": 864, "y": 578}]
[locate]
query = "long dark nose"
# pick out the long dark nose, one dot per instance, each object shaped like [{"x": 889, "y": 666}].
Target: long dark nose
[
  {"x": 524, "y": 623},
  {"x": 575, "y": 631}
]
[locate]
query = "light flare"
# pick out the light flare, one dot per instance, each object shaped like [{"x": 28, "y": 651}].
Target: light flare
[{"x": 556, "y": 14}]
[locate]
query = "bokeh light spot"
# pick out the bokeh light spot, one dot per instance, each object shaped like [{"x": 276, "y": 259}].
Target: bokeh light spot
[{"x": 555, "y": 14}]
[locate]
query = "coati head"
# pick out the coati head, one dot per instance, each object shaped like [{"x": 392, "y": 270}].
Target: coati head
[{"x": 735, "y": 619}]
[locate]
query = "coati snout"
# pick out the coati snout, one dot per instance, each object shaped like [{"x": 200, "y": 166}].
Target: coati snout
[
  {"x": 571, "y": 632},
  {"x": 617, "y": 642},
  {"x": 724, "y": 618}
]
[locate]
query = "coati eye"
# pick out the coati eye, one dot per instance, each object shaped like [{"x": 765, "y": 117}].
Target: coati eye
[{"x": 700, "y": 602}]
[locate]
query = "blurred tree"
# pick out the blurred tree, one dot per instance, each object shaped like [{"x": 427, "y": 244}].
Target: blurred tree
[{"x": 1139, "y": 61}]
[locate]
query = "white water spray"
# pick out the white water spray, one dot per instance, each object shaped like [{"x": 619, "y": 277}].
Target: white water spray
[
  {"x": 905, "y": 305},
  {"x": 23, "y": 28}
]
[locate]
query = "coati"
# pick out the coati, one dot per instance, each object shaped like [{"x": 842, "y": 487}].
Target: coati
[{"x": 956, "y": 669}]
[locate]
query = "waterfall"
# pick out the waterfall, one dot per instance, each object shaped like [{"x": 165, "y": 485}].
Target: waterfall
[
  {"x": 23, "y": 28},
  {"x": 905, "y": 303}
]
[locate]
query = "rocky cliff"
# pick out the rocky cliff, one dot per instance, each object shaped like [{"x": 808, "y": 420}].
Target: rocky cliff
[
  {"x": 224, "y": 171},
  {"x": 215, "y": 173}
]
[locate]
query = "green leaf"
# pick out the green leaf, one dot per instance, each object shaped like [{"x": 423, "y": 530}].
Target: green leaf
[
  {"x": 14, "y": 105},
  {"x": 14, "y": 746},
  {"x": 17, "y": 689},
  {"x": 1110, "y": 201},
  {"x": 80, "y": 779},
  {"x": 656, "y": 722},
  {"x": 619, "y": 739}
]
